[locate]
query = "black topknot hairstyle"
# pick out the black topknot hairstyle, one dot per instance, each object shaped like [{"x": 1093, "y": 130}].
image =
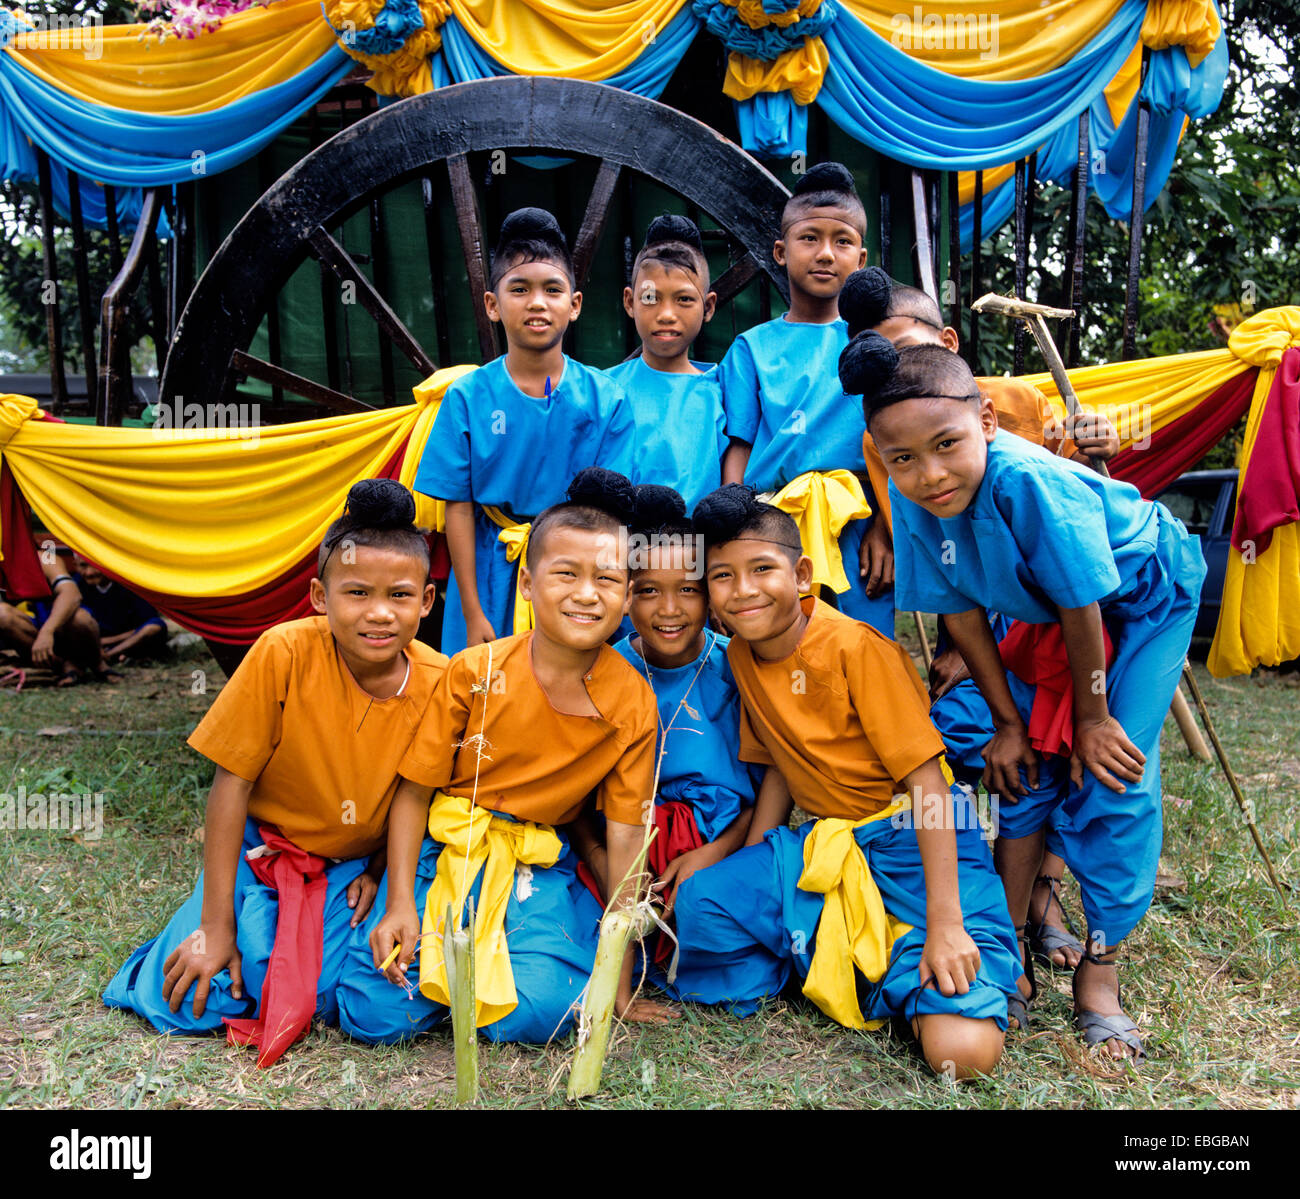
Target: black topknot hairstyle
[
  {"x": 826, "y": 185},
  {"x": 674, "y": 241},
  {"x": 530, "y": 235},
  {"x": 661, "y": 510},
  {"x": 378, "y": 513},
  {"x": 871, "y": 367},
  {"x": 734, "y": 510},
  {"x": 599, "y": 500},
  {"x": 871, "y": 296}
]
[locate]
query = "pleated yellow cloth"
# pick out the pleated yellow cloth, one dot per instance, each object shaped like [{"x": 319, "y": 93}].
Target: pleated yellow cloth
[
  {"x": 494, "y": 846},
  {"x": 855, "y": 931},
  {"x": 822, "y": 503},
  {"x": 514, "y": 536}
]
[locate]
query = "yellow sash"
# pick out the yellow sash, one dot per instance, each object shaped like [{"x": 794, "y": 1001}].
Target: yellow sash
[
  {"x": 497, "y": 846},
  {"x": 514, "y": 537},
  {"x": 855, "y": 929},
  {"x": 822, "y": 503}
]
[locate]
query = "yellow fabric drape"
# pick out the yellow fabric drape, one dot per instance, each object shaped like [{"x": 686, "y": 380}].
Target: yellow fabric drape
[
  {"x": 577, "y": 39},
  {"x": 1011, "y": 39},
  {"x": 514, "y": 536},
  {"x": 253, "y": 50},
  {"x": 429, "y": 513},
  {"x": 1192, "y": 24},
  {"x": 854, "y": 930},
  {"x": 752, "y": 14},
  {"x": 822, "y": 503},
  {"x": 406, "y": 71},
  {"x": 1259, "y": 618},
  {"x": 799, "y": 71},
  {"x": 194, "y": 512},
  {"x": 494, "y": 846}
]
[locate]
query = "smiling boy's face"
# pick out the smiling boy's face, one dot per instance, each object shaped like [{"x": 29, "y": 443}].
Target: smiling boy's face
[
  {"x": 936, "y": 450},
  {"x": 669, "y": 307},
  {"x": 374, "y": 600},
  {"x": 669, "y": 608},
  {"x": 577, "y": 586},
  {"x": 755, "y": 587},
  {"x": 820, "y": 251},
  {"x": 536, "y": 303}
]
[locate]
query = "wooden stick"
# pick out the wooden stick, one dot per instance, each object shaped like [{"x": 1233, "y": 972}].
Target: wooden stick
[
  {"x": 1187, "y": 726},
  {"x": 926, "y": 655},
  {"x": 458, "y": 955}
]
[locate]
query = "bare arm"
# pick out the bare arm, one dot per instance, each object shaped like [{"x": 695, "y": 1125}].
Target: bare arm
[
  {"x": 212, "y": 946},
  {"x": 1100, "y": 743},
  {"x": 67, "y": 599},
  {"x": 1010, "y": 748},
  {"x": 460, "y": 545},
  {"x": 772, "y": 808},
  {"x": 407, "y": 819},
  {"x": 734, "y": 461}
]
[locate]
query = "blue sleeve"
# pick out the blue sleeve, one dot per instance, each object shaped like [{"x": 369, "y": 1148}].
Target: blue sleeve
[
  {"x": 920, "y": 582},
  {"x": 444, "y": 470},
  {"x": 1059, "y": 524},
  {"x": 617, "y": 449},
  {"x": 738, "y": 378}
]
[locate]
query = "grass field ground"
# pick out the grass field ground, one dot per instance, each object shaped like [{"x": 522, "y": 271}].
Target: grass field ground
[{"x": 1212, "y": 975}]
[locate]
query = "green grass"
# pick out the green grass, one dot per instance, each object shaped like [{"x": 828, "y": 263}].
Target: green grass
[{"x": 1212, "y": 975}]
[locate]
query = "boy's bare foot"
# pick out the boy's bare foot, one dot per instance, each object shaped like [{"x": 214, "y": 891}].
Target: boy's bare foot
[
  {"x": 1097, "y": 1009},
  {"x": 1049, "y": 925}
]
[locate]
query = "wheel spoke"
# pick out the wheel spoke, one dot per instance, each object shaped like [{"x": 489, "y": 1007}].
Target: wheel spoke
[
  {"x": 593, "y": 220},
  {"x": 340, "y": 262},
  {"x": 734, "y": 279},
  {"x": 470, "y": 225},
  {"x": 277, "y": 376}
]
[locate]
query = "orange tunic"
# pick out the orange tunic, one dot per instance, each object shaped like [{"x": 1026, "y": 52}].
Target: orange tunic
[
  {"x": 322, "y": 754},
  {"x": 844, "y": 718},
  {"x": 1022, "y": 409},
  {"x": 538, "y": 763}
]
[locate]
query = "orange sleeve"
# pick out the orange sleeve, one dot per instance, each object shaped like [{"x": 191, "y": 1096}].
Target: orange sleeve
[
  {"x": 430, "y": 757},
  {"x": 625, "y": 792},
  {"x": 751, "y": 748},
  {"x": 243, "y": 727},
  {"x": 891, "y": 704},
  {"x": 879, "y": 477}
]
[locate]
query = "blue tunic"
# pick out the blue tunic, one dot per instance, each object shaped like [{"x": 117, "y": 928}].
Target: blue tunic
[
  {"x": 1043, "y": 534},
  {"x": 781, "y": 394},
  {"x": 492, "y": 444},
  {"x": 679, "y": 435},
  {"x": 699, "y": 707}
]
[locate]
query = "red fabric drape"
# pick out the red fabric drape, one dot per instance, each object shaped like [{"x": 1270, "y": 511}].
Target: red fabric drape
[
  {"x": 1270, "y": 485},
  {"x": 289, "y": 993},
  {"x": 1185, "y": 441},
  {"x": 1035, "y": 654},
  {"x": 21, "y": 576}
]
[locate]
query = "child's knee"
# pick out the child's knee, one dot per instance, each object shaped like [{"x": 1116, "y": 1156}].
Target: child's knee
[{"x": 959, "y": 1047}]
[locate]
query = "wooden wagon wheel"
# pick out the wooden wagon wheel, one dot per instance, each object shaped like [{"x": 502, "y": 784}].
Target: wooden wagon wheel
[{"x": 400, "y": 142}]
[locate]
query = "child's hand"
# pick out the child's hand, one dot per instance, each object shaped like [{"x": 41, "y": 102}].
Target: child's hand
[
  {"x": 396, "y": 928},
  {"x": 946, "y": 671},
  {"x": 680, "y": 869},
  {"x": 479, "y": 630},
  {"x": 1093, "y": 434},
  {"x": 1104, "y": 748},
  {"x": 951, "y": 957},
  {"x": 361, "y": 897},
  {"x": 876, "y": 560},
  {"x": 205, "y": 953},
  {"x": 43, "y": 649},
  {"x": 1003, "y": 756},
  {"x": 642, "y": 1011}
]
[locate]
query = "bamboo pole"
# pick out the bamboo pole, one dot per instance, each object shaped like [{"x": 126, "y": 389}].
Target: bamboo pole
[
  {"x": 1182, "y": 714},
  {"x": 596, "y": 1015},
  {"x": 458, "y": 955}
]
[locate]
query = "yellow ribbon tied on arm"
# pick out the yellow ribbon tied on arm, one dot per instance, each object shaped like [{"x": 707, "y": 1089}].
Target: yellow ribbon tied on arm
[
  {"x": 822, "y": 503},
  {"x": 854, "y": 930},
  {"x": 514, "y": 536},
  {"x": 486, "y": 843}
]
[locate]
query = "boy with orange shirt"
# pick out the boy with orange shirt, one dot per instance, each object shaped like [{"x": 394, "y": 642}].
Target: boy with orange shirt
[
  {"x": 306, "y": 737},
  {"x": 522, "y": 731},
  {"x": 886, "y": 903}
]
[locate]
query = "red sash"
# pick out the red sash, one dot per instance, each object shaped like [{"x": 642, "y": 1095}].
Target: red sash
[{"x": 289, "y": 994}]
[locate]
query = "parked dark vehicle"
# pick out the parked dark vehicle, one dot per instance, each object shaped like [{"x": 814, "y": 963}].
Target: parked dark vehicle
[{"x": 1205, "y": 500}]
